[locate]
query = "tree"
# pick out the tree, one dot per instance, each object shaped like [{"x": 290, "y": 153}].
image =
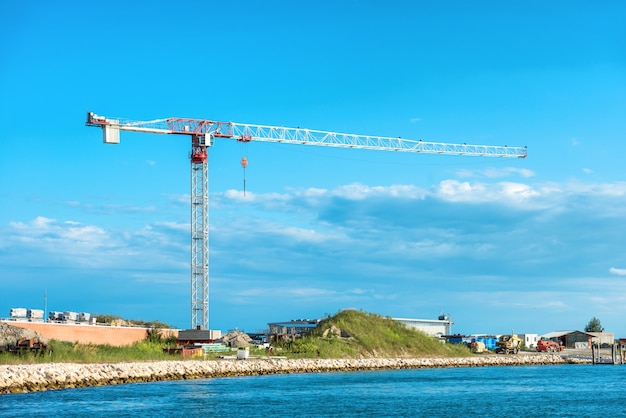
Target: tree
[
  {"x": 154, "y": 335},
  {"x": 594, "y": 325}
]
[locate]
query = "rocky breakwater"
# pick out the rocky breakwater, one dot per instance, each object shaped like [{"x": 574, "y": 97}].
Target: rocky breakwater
[{"x": 49, "y": 376}]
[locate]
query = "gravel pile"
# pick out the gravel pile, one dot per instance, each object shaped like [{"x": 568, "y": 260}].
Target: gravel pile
[{"x": 235, "y": 339}]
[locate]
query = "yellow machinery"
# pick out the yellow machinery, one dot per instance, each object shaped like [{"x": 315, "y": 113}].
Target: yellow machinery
[
  {"x": 509, "y": 344},
  {"x": 478, "y": 347}
]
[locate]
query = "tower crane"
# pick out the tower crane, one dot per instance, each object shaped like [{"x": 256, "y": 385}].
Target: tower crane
[{"x": 203, "y": 134}]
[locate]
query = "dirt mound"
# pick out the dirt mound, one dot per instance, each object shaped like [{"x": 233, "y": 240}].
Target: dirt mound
[{"x": 10, "y": 334}]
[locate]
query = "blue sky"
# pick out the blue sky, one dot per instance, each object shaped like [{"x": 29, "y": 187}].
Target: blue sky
[{"x": 533, "y": 245}]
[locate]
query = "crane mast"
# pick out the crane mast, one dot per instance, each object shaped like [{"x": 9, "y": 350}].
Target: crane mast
[{"x": 203, "y": 134}]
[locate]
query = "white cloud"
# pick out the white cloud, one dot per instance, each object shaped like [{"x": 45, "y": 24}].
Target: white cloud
[
  {"x": 182, "y": 227},
  {"x": 555, "y": 304},
  {"x": 152, "y": 278},
  {"x": 129, "y": 209},
  {"x": 615, "y": 189},
  {"x": 182, "y": 199},
  {"x": 47, "y": 241},
  {"x": 40, "y": 222},
  {"x": 503, "y": 192},
  {"x": 305, "y": 235},
  {"x": 456, "y": 191},
  {"x": 619, "y": 272},
  {"x": 238, "y": 196},
  {"x": 313, "y": 192},
  {"x": 518, "y": 191},
  {"x": 552, "y": 198},
  {"x": 48, "y": 230},
  {"x": 493, "y": 172},
  {"x": 308, "y": 292},
  {"x": 111, "y": 208},
  {"x": 358, "y": 191},
  {"x": 354, "y": 191}
]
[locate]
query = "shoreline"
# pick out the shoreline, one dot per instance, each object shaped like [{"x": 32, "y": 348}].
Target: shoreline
[{"x": 23, "y": 378}]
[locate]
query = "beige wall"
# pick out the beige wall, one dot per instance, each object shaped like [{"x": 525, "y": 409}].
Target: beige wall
[{"x": 89, "y": 334}]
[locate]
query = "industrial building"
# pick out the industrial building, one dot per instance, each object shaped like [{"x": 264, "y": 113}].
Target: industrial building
[
  {"x": 570, "y": 339},
  {"x": 434, "y": 327},
  {"x": 294, "y": 326}
]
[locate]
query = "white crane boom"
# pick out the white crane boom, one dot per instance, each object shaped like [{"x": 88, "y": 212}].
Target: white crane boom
[
  {"x": 203, "y": 132},
  {"x": 264, "y": 133}
]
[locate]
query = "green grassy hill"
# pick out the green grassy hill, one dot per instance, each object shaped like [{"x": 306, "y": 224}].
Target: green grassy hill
[{"x": 356, "y": 334}]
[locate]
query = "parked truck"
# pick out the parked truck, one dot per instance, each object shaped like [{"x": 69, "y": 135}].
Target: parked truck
[
  {"x": 548, "y": 346},
  {"x": 508, "y": 344}
]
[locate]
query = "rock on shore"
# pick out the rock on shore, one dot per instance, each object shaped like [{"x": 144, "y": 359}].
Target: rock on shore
[{"x": 49, "y": 376}]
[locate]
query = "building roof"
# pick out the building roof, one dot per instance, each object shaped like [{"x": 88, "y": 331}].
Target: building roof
[
  {"x": 424, "y": 321},
  {"x": 557, "y": 334}
]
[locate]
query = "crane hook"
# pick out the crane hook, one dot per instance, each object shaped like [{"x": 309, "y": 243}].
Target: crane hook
[{"x": 244, "y": 164}]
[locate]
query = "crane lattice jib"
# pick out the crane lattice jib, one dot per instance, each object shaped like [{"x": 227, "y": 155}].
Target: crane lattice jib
[
  {"x": 265, "y": 133},
  {"x": 380, "y": 143}
]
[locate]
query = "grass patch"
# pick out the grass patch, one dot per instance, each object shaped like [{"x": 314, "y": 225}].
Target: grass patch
[{"x": 67, "y": 352}]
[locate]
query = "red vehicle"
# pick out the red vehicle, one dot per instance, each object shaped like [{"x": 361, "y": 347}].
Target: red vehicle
[{"x": 548, "y": 346}]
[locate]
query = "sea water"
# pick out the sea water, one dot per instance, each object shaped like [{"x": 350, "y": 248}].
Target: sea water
[{"x": 520, "y": 391}]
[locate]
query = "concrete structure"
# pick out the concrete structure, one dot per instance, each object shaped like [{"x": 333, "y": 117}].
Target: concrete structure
[
  {"x": 89, "y": 334},
  {"x": 193, "y": 336},
  {"x": 434, "y": 327},
  {"x": 602, "y": 338}
]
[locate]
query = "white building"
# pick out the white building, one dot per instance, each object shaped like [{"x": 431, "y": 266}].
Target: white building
[
  {"x": 530, "y": 340},
  {"x": 434, "y": 327}
]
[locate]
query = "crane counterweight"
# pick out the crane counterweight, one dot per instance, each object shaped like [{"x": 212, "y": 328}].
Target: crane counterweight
[{"x": 203, "y": 133}]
